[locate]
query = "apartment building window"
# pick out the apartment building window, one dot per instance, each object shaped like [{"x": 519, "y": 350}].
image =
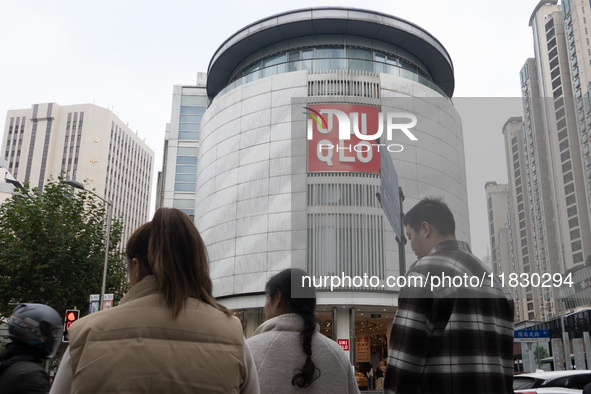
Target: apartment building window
[
  {"x": 572, "y": 211},
  {"x": 576, "y": 246},
  {"x": 574, "y": 222}
]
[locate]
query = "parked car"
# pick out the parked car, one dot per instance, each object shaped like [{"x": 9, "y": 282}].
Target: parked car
[{"x": 551, "y": 382}]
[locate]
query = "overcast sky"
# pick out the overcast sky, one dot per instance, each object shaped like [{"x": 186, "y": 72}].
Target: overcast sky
[{"x": 127, "y": 56}]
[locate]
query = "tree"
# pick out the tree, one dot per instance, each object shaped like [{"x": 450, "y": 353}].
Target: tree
[
  {"x": 539, "y": 354},
  {"x": 52, "y": 249}
]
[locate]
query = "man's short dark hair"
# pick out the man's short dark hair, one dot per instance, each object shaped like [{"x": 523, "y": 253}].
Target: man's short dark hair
[{"x": 433, "y": 211}]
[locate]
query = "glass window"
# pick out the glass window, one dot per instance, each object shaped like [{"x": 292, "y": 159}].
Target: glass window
[
  {"x": 308, "y": 54},
  {"x": 188, "y": 151},
  {"x": 192, "y": 110},
  {"x": 306, "y": 64},
  {"x": 194, "y": 100},
  {"x": 188, "y": 135},
  {"x": 294, "y": 64},
  {"x": 190, "y": 118},
  {"x": 189, "y": 126},
  {"x": 184, "y": 187},
  {"x": 322, "y": 64},
  {"x": 253, "y": 68},
  {"x": 186, "y": 160},
  {"x": 360, "y": 59},
  {"x": 338, "y": 64},
  {"x": 274, "y": 60},
  {"x": 186, "y": 169},
  {"x": 185, "y": 178},
  {"x": 330, "y": 53}
]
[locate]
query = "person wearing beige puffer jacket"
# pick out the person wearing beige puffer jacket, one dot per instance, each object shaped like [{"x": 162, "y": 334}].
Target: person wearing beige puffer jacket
[{"x": 168, "y": 335}]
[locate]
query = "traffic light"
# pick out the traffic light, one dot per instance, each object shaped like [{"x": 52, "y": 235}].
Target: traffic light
[{"x": 71, "y": 316}]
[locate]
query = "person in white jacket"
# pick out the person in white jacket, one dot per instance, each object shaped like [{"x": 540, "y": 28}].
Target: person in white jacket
[{"x": 290, "y": 354}]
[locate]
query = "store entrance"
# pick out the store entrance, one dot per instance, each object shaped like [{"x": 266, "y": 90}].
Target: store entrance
[{"x": 370, "y": 343}]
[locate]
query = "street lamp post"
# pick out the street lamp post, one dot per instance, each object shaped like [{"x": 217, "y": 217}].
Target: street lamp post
[{"x": 109, "y": 206}]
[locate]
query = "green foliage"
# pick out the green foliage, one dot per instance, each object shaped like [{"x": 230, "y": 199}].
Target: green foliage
[
  {"x": 539, "y": 354},
  {"x": 52, "y": 248}
]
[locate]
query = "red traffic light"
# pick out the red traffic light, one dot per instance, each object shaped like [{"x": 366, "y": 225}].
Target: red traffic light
[{"x": 71, "y": 316}]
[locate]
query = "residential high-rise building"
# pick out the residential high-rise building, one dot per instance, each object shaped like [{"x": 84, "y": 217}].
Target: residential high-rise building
[
  {"x": 501, "y": 232},
  {"x": 176, "y": 181},
  {"x": 268, "y": 197},
  {"x": 549, "y": 169},
  {"x": 85, "y": 143},
  {"x": 562, "y": 69}
]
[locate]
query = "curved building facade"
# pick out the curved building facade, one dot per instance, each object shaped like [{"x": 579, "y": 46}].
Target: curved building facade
[{"x": 270, "y": 195}]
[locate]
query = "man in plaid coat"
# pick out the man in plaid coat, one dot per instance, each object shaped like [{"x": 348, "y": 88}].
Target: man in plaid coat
[{"x": 453, "y": 330}]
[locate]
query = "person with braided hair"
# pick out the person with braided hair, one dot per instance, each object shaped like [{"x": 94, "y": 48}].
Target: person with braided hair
[{"x": 290, "y": 354}]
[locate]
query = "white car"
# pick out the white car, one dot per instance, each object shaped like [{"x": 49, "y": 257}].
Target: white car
[{"x": 551, "y": 382}]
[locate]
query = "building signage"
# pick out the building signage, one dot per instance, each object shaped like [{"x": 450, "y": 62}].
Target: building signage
[
  {"x": 349, "y": 138},
  {"x": 329, "y": 149},
  {"x": 390, "y": 193},
  {"x": 585, "y": 284},
  {"x": 531, "y": 335},
  {"x": 344, "y": 344},
  {"x": 94, "y": 303},
  {"x": 362, "y": 350},
  {"x": 108, "y": 301}
]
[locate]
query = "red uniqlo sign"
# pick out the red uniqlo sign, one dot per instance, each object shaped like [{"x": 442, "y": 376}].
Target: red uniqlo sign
[
  {"x": 333, "y": 145},
  {"x": 344, "y": 344}
]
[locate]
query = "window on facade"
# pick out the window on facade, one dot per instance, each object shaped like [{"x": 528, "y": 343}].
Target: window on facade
[
  {"x": 360, "y": 59},
  {"x": 185, "y": 177},
  {"x": 194, "y": 101},
  {"x": 330, "y": 59},
  {"x": 572, "y": 211},
  {"x": 576, "y": 246}
]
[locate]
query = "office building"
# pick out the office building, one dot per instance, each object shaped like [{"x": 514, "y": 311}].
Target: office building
[
  {"x": 176, "y": 181},
  {"x": 88, "y": 144}
]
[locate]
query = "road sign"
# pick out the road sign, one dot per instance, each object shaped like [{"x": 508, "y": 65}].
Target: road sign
[
  {"x": 93, "y": 305},
  {"x": 389, "y": 191},
  {"x": 531, "y": 335}
]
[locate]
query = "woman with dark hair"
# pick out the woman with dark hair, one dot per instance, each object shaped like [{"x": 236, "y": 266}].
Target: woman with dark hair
[
  {"x": 318, "y": 364},
  {"x": 168, "y": 334}
]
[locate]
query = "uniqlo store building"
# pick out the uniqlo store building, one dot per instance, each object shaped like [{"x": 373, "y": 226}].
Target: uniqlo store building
[{"x": 288, "y": 173}]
